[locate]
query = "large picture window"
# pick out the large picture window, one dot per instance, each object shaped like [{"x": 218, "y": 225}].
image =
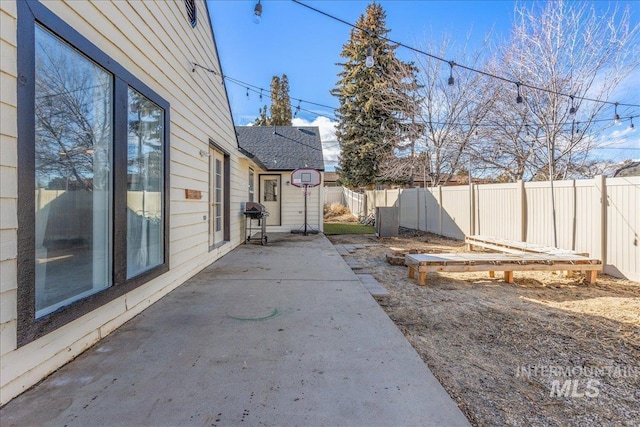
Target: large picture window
[
  {"x": 145, "y": 176},
  {"x": 92, "y": 176},
  {"x": 73, "y": 140}
]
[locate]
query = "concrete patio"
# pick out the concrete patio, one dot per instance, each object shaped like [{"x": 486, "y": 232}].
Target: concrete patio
[{"x": 283, "y": 334}]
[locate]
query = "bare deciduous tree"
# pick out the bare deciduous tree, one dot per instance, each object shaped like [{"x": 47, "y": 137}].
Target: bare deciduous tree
[
  {"x": 574, "y": 54},
  {"x": 453, "y": 102}
]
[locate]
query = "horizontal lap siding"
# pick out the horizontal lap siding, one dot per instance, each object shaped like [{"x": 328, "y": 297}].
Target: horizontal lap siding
[
  {"x": 155, "y": 42},
  {"x": 292, "y": 204},
  {"x": 8, "y": 178}
]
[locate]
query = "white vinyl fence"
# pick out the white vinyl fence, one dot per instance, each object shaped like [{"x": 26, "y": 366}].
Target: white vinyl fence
[
  {"x": 356, "y": 202},
  {"x": 333, "y": 195},
  {"x": 599, "y": 216}
]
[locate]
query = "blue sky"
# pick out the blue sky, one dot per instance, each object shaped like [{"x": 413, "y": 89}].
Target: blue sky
[{"x": 306, "y": 46}]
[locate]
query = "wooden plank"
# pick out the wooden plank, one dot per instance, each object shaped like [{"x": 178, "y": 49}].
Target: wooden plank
[
  {"x": 512, "y": 246},
  {"x": 426, "y": 263},
  {"x": 500, "y": 258},
  {"x": 506, "y": 267}
]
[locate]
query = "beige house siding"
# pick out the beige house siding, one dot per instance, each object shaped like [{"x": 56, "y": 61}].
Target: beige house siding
[
  {"x": 155, "y": 42},
  {"x": 8, "y": 180},
  {"x": 292, "y": 206}
]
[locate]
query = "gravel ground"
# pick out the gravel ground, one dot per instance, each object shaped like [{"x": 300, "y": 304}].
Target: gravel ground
[{"x": 546, "y": 350}]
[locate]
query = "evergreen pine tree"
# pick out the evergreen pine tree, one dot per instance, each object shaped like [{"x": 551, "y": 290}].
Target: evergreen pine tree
[
  {"x": 262, "y": 119},
  {"x": 280, "y": 104},
  {"x": 376, "y": 102}
]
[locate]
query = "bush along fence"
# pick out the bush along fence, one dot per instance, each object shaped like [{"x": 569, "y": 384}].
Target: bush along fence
[{"x": 599, "y": 216}]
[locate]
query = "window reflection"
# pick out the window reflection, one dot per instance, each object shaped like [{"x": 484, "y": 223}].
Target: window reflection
[
  {"x": 73, "y": 140},
  {"x": 270, "y": 190},
  {"x": 145, "y": 181},
  {"x": 251, "y": 184}
]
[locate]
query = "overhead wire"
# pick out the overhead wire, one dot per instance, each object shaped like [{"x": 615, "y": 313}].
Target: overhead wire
[
  {"x": 260, "y": 90},
  {"x": 466, "y": 67}
]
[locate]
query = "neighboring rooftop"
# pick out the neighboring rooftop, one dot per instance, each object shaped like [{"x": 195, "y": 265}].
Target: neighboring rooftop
[
  {"x": 283, "y": 147},
  {"x": 628, "y": 169}
]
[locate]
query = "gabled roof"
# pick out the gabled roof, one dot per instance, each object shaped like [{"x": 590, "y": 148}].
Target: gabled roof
[{"x": 283, "y": 147}]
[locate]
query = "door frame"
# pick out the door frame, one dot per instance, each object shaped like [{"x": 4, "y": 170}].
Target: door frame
[
  {"x": 226, "y": 196},
  {"x": 260, "y": 176}
]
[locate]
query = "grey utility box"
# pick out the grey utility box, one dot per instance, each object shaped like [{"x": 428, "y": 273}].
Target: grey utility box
[{"x": 387, "y": 222}]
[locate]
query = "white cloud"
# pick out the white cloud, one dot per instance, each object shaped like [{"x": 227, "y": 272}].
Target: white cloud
[
  {"x": 620, "y": 143},
  {"x": 330, "y": 146}
]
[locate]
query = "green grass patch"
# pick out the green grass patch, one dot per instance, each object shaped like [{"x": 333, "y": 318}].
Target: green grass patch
[{"x": 333, "y": 228}]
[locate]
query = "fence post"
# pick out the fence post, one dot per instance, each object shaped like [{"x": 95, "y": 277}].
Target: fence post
[
  {"x": 365, "y": 209},
  {"x": 440, "y": 210},
  {"x": 521, "y": 220},
  {"x": 472, "y": 210},
  {"x": 601, "y": 216},
  {"x": 418, "y": 209}
]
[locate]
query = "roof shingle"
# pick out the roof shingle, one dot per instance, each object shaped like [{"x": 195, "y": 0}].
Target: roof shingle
[{"x": 283, "y": 147}]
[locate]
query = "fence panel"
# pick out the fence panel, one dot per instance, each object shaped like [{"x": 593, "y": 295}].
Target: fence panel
[
  {"x": 456, "y": 214},
  {"x": 497, "y": 210},
  {"x": 524, "y": 212},
  {"x": 356, "y": 202},
  {"x": 408, "y": 202},
  {"x": 429, "y": 219},
  {"x": 623, "y": 227},
  {"x": 586, "y": 235},
  {"x": 333, "y": 195}
]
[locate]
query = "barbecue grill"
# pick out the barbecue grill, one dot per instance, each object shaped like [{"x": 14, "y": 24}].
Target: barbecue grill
[{"x": 254, "y": 211}]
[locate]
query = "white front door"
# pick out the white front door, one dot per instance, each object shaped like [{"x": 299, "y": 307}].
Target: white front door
[
  {"x": 216, "y": 198},
  {"x": 270, "y": 197}
]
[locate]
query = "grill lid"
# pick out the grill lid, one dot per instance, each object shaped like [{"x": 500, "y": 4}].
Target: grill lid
[{"x": 254, "y": 207}]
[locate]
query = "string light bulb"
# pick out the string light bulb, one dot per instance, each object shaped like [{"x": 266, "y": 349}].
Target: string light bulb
[
  {"x": 519, "y": 97},
  {"x": 257, "y": 13},
  {"x": 451, "y": 80},
  {"x": 297, "y": 109},
  {"x": 631, "y": 126},
  {"x": 247, "y": 93},
  {"x": 572, "y": 110},
  {"x": 369, "y": 60},
  {"x": 616, "y": 116}
]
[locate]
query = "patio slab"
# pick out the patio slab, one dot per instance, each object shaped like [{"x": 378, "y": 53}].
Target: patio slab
[{"x": 283, "y": 334}]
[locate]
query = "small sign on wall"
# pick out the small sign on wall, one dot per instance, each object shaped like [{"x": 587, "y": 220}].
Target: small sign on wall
[{"x": 193, "y": 194}]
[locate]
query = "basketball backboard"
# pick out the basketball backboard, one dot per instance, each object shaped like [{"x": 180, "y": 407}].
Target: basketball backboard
[{"x": 305, "y": 177}]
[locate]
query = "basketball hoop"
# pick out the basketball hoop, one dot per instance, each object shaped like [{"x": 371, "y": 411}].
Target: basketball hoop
[{"x": 305, "y": 178}]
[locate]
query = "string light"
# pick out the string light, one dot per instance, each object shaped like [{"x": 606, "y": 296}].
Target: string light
[
  {"x": 572, "y": 110},
  {"x": 369, "y": 60},
  {"x": 297, "y": 109},
  {"x": 451, "y": 80},
  {"x": 257, "y": 13},
  {"x": 519, "y": 97},
  {"x": 484, "y": 73},
  {"x": 247, "y": 93},
  {"x": 616, "y": 116},
  {"x": 631, "y": 126},
  {"x": 259, "y": 90}
]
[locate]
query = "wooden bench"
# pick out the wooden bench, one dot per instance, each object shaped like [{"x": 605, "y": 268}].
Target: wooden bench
[{"x": 508, "y": 263}]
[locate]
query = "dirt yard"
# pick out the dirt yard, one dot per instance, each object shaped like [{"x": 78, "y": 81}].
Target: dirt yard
[{"x": 546, "y": 350}]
